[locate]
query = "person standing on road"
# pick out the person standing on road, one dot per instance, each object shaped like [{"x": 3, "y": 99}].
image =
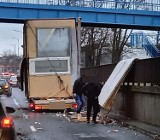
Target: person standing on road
[
  {"x": 92, "y": 91},
  {"x": 78, "y": 95}
]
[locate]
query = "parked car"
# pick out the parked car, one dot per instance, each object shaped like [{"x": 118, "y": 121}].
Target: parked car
[
  {"x": 13, "y": 80},
  {"x": 7, "y": 130},
  {"x": 5, "y": 87}
]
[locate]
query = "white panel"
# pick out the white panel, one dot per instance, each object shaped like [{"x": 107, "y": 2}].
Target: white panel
[{"x": 114, "y": 82}]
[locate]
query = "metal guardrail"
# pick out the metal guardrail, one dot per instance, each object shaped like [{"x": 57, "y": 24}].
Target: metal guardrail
[{"x": 147, "y": 5}]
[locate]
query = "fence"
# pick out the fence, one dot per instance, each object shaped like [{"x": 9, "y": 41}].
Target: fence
[
  {"x": 149, "y": 5},
  {"x": 143, "y": 71}
]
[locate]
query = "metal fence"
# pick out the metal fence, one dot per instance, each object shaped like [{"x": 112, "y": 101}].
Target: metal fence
[
  {"x": 143, "y": 71},
  {"x": 149, "y": 5}
]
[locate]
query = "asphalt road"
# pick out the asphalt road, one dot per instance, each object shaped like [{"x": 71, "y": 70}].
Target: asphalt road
[{"x": 31, "y": 125}]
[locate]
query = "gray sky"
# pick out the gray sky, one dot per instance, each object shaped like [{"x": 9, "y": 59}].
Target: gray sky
[{"x": 9, "y": 35}]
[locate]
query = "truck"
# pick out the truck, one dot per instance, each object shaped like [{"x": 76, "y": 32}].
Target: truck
[{"x": 50, "y": 62}]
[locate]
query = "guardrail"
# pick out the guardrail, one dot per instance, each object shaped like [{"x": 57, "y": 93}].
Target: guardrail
[{"x": 147, "y": 5}]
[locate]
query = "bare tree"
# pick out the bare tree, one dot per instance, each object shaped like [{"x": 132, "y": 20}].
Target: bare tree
[
  {"x": 92, "y": 43},
  {"x": 9, "y": 58},
  {"x": 120, "y": 38},
  {"x": 97, "y": 43}
]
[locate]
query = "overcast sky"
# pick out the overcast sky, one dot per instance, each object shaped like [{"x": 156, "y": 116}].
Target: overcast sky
[{"x": 9, "y": 36}]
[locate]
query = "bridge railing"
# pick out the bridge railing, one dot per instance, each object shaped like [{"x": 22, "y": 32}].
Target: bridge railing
[
  {"x": 142, "y": 40},
  {"x": 149, "y": 5},
  {"x": 152, "y": 49}
]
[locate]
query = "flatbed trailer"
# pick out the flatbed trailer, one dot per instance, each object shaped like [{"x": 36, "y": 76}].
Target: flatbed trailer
[{"x": 53, "y": 104}]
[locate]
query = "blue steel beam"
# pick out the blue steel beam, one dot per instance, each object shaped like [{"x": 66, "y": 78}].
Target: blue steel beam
[{"x": 134, "y": 19}]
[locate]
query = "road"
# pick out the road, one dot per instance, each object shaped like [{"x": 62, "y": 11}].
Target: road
[{"x": 31, "y": 125}]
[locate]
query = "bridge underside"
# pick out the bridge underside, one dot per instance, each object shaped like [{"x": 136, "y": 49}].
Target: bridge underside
[
  {"x": 122, "y": 26},
  {"x": 18, "y": 13}
]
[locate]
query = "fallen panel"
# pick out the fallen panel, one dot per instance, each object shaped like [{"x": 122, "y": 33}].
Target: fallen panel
[{"x": 112, "y": 85}]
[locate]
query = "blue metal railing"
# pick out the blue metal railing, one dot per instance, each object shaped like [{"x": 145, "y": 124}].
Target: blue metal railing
[
  {"x": 142, "y": 40},
  {"x": 148, "y": 5}
]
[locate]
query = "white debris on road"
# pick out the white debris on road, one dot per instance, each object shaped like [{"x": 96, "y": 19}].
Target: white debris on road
[{"x": 33, "y": 128}]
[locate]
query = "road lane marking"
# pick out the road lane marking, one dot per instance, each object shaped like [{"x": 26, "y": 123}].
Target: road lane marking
[
  {"x": 3, "y": 97},
  {"x": 17, "y": 104},
  {"x": 67, "y": 118},
  {"x": 91, "y": 135},
  {"x": 33, "y": 128},
  {"x": 25, "y": 116}
]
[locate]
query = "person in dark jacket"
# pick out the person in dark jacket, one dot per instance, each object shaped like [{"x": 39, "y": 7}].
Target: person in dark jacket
[
  {"x": 92, "y": 91},
  {"x": 78, "y": 95}
]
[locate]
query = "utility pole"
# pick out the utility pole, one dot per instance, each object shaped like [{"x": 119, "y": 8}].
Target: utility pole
[
  {"x": 14, "y": 45},
  {"x": 18, "y": 45},
  {"x": 17, "y": 39},
  {"x": 79, "y": 44}
]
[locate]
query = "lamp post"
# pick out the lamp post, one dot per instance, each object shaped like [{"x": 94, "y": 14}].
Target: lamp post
[
  {"x": 17, "y": 39},
  {"x": 17, "y": 31},
  {"x": 14, "y": 45},
  {"x": 18, "y": 44}
]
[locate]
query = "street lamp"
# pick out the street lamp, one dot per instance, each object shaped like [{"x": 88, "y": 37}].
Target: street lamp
[
  {"x": 17, "y": 39},
  {"x": 17, "y": 31},
  {"x": 14, "y": 45},
  {"x": 18, "y": 44}
]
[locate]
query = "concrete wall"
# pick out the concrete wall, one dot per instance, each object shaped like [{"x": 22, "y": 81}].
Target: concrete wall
[{"x": 139, "y": 103}]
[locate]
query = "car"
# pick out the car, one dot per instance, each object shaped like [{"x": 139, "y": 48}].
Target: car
[
  {"x": 5, "y": 87},
  {"x": 7, "y": 129},
  {"x": 13, "y": 80},
  {"x": 5, "y": 75}
]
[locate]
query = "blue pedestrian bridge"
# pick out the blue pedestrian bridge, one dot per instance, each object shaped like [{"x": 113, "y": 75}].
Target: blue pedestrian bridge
[
  {"x": 142, "y": 14},
  {"x": 146, "y": 41}
]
